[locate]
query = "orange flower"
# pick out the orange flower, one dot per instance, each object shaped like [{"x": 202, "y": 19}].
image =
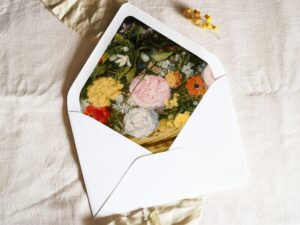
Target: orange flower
[{"x": 195, "y": 86}]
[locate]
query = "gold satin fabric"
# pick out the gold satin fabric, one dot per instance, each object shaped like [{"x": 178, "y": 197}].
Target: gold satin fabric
[
  {"x": 184, "y": 212},
  {"x": 86, "y": 17}
]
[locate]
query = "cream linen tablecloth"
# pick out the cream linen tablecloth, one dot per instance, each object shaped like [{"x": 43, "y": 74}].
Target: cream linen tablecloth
[{"x": 40, "y": 179}]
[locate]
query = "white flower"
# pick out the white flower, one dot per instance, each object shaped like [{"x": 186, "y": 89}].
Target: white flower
[
  {"x": 113, "y": 58},
  {"x": 122, "y": 106},
  {"x": 83, "y": 104},
  {"x": 131, "y": 102},
  {"x": 176, "y": 58},
  {"x": 140, "y": 122},
  {"x": 187, "y": 69},
  {"x": 145, "y": 57},
  {"x": 195, "y": 103},
  {"x": 119, "y": 99},
  {"x": 199, "y": 68},
  {"x": 121, "y": 60},
  {"x": 162, "y": 73},
  {"x": 166, "y": 64},
  {"x": 146, "y": 31},
  {"x": 125, "y": 49},
  {"x": 125, "y": 28}
]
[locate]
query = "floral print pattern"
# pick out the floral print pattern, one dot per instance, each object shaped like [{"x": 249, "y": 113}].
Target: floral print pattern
[{"x": 145, "y": 86}]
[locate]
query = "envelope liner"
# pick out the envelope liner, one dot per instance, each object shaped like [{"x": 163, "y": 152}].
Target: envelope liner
[{"x": 145, "y": 86}]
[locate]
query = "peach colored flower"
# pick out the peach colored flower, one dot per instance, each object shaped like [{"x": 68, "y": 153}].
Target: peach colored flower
[
  {"x": 173, "y": 78},
  {"x": 208, "y": 76},
  {"x": 150, "y": 91}
]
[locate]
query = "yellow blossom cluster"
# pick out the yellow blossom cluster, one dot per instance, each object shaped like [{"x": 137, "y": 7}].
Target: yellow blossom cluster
[
  {"x": 173, "y": 122},
  {"x": 181, "y": 119},
  {"x": 173, "y": 78},
  {"x": 173, "y": 102},
  {"x": 166, "y": 123},
  {"x": 103, "y": 90},
  {"x": 196, "y": 17}
]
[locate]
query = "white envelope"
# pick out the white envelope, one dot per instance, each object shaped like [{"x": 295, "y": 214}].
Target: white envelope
[{"x": 121, "y": 175}]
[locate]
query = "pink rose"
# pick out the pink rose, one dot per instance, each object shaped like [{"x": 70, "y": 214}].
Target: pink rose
[
  {"x": 151, "y": 92},
  {"x": 208, "y": 76}
]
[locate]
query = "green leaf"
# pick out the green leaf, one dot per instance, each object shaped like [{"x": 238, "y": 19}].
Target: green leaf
[
  {"x": 105, "y": 57},
  {"x": 98, "y": 70},
  {"x": 157, "y": 56},
  {"x": 119, "y": 38},
  {"x": 130, "y": 75},
  {"x": 121, "y": 72},
  {"x": 83, "y": 93},
  {"x": 136, "y": 32}
]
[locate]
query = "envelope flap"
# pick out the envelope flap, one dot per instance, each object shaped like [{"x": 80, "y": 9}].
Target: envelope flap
[
  {"x": 207, "y": 157},
  {"x": 129, "y": 10},
  {"x": 101, "y": 150}
]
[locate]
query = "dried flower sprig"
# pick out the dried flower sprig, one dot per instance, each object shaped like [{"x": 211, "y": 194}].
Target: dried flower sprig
[{"x": 204, "y": 22}]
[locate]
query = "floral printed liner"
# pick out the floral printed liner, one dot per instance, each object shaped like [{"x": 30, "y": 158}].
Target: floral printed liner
[{"x": 145, "y": 86}]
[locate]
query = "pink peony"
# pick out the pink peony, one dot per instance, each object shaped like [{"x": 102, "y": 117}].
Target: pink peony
[
  {"x": 151, "y": 92},
  {"x": 208, "y": 76}
]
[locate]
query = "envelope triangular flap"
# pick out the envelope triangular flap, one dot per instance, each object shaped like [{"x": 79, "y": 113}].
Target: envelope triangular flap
[
  {"x": 128, "y": 10},
  {"x": 104, "y": 156},
  {"x": 207, "y": 157}
]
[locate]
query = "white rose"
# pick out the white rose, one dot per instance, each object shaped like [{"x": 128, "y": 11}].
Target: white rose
[{"x": 140, "y": 122}]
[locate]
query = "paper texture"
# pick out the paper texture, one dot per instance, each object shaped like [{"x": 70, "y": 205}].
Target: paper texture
[{"x": 40, "y": 58}]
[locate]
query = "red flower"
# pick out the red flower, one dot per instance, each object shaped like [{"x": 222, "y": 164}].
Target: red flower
[{"x": 101, "y": 114}]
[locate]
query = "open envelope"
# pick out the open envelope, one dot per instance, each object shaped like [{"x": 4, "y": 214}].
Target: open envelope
[{"x": 121, "y": 175}]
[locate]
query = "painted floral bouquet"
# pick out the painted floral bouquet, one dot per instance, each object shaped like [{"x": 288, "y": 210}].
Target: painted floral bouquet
[{"x": 145, "y": 86}]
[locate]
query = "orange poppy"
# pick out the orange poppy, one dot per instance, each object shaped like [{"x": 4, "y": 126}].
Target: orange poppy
[{"x": 195, "y": 86}]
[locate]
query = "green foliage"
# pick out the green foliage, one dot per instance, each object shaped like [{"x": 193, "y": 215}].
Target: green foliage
[
  {"x": 130, "y": 44},
  {"x": 158, "y": 56},
  {"x": 99, "y": 70}
]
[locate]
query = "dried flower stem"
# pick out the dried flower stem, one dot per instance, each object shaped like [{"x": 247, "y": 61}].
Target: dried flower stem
[{"x": 203, "y": 22}]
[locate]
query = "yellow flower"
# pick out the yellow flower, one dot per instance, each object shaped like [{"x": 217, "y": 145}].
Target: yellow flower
[
  {"x": 210, "y": 26},
  {"x": 196, "y": 21},
  {"x": 162, "y": 125},
  {"x": 170, "y": 122},
  {"x": 103, "y": 90},
  {"x": 173, "y": 78},
  {"x": 172, "y": 103},
  {"x": 171, "y": 117},
  {"x": 188, "y": 12},
  {"x": 181, "y": 119},
  {"x": 208, "y": 18},
  {"x": 215, "y": 27},
  {"x": 156, "y": 69},
  {"x": 196, "y": 13},
  {"x": 204, "y": 26},
  {"x": 166, "y": 124}
]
